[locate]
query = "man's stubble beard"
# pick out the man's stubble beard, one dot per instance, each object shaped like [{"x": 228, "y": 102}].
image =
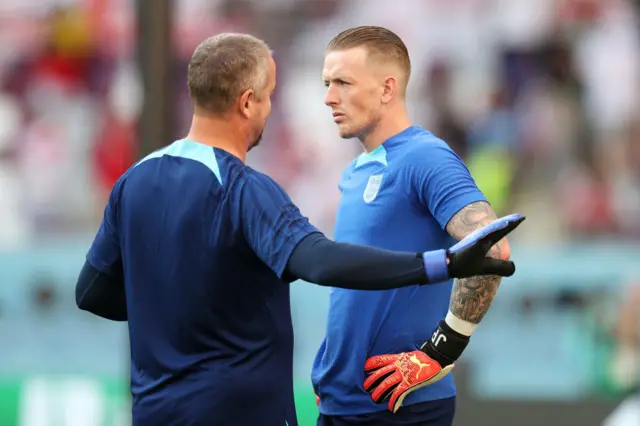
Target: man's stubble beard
[{"x": 256, "y": 142}]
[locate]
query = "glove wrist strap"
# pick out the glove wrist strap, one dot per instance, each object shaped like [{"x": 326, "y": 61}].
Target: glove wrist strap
[
  {"x": 446, "y": 345},
  {"x": 435, "y": 266}
]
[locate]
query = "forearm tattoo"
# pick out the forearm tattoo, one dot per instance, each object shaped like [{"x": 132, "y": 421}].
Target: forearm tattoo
[{"x": 472, "y": 297}]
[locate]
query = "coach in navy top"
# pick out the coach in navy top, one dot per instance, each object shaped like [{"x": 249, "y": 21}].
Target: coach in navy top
[{"x": 194, "y": 250}]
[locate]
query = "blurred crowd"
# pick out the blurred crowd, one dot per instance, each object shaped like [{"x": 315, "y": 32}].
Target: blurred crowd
[{"x": 540, "y": 97}]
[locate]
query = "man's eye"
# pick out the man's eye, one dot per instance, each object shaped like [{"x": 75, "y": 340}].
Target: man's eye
[{"x": 336, "y": 82}]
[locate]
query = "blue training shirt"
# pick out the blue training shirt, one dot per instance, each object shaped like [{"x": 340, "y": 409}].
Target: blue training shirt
[
  {"x": 202, "y": 241},
  {"x": 399, "y": 197}
]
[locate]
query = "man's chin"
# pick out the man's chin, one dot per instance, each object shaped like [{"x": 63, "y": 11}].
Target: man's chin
[
  {"x": 256, "y": 143},
  {"x": 347, "y": 135}
]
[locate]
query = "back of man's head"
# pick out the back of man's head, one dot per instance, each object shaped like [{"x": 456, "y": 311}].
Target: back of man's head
[
  {"x": 225, "y": 66},
  {"x": 382, "y": 45}
]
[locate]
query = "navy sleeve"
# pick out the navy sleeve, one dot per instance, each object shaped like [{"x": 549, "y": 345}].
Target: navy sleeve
[
  {"x": 441, "y": 181},
  {"x": 104, "y": 254},
  {"x": 272, "y": 225},
  {"x": 100, "y": 294},
  {"x": 335, "y": 264}
]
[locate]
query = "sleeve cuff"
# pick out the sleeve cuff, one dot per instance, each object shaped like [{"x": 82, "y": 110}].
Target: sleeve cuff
[{"x": 435, "y": 265}]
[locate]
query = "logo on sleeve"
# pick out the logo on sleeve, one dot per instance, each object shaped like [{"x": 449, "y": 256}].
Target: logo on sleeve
[{"x": 373, "y": 186}]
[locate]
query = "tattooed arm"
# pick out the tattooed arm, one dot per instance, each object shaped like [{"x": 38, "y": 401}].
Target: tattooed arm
[{"x": 472, "y": 297}]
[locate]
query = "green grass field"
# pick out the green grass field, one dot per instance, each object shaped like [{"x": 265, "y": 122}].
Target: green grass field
[
  {"x": 306, "y": 404},
  {"x": 19, "y": 396}
]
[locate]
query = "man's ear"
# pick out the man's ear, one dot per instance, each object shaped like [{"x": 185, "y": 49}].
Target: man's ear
[
  {"x": 390, "y": 89},
  {"x": 244, "y": 102}
]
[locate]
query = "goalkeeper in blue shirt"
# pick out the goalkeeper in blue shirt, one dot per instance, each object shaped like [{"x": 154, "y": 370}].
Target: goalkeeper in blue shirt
[
  {"x": 196, "y": 249},
  {"x": 407, "y": 191}
]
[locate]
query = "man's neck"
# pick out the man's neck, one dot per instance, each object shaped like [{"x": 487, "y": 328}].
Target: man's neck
[
  {"x": 218, "y": 132},
  {"x": 390, "y": 125}
]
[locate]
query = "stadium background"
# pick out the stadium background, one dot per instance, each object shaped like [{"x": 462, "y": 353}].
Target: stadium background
[{"x": 541, "y": 98}]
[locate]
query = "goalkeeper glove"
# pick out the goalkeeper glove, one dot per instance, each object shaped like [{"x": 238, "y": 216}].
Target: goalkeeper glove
[
  {"x": 469, "y": 258},
  {"x": 394, "y": 376}
]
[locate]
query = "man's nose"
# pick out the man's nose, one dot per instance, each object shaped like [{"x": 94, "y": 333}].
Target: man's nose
[{"x": 331, "y": 98}]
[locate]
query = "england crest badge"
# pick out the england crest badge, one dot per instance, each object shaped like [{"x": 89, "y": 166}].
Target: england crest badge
[{"x": 373, "y": 186}]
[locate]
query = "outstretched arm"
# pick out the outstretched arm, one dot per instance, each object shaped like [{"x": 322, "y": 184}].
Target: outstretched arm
[
  {"x": 326, "y": 262},
  {"x": 291, "y": 247}
]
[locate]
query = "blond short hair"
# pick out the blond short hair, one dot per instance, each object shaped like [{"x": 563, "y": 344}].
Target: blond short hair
[{"x": 380, "y": 43}]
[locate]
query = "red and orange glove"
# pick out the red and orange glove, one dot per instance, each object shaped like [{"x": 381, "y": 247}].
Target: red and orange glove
[{"x": 396, "y": 376}]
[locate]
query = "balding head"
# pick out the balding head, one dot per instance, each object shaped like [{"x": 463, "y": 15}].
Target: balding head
[
  {"x": 225, "y": 66},
  {"x": 231, "y": 79}
]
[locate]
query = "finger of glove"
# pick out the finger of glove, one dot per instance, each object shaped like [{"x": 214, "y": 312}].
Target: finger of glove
[
  {"x": 397, "y": 393},
  {"x": 378, "y": 361},
  {"x": 386, "y": 385},
  {"x": 378, "y": 376},
  {"x": 494, "y": 231},
  {"x": 498, "y": 233},
  {"x": 386, "y": 395},
  {"x": 515, "y": 217},
  {"x": 502, "y": 268}
]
